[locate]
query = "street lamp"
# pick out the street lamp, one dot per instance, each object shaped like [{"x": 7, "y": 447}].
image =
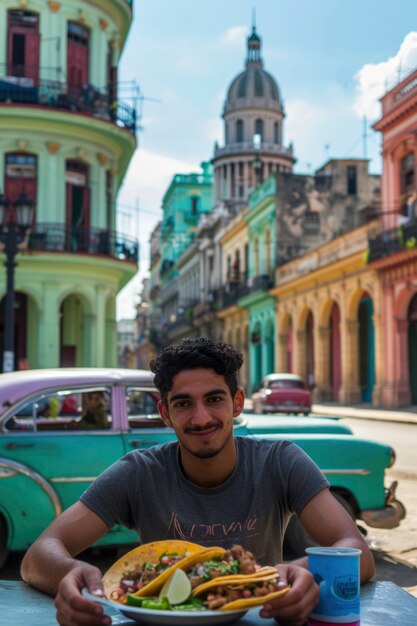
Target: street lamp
[{"x": 13, "y": 229}]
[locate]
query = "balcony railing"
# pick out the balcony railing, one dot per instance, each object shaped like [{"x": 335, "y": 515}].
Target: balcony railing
[
  {"x": 392, "y": 241},
  {"x": 52, "y": 237},
  {"x": 268, "y": 147},
  {"x": 88, "y": 100}
]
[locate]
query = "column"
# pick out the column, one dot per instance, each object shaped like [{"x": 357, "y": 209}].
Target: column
[
  {"x": 322, "y": 354},
  {"x": 402, "y": 385},
  {"x": 350, "y": 391},
  {"x": 389, "y": 336},
  {"x": 49, "y": 327},
  {"x": 98, "y": 328},
  {"x": 282, "y": 352},
  {"x": 379, "y": 347},
  {"x": 300, "y": 353}
]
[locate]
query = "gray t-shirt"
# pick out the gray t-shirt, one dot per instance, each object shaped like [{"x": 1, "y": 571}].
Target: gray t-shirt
[{"x": 147, "y": 490}]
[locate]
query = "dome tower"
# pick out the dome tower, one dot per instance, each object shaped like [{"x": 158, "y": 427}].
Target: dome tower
[{"x": 253, "y": 130}]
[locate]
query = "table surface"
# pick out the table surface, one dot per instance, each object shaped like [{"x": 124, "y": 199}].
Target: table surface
[{"x": 382, "y": 603}]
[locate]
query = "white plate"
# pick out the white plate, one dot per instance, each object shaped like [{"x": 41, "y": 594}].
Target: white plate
[{"x": 174, "y": 618}]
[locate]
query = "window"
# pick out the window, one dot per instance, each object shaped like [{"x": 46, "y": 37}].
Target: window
[
  {"x": 239, "y": 131},
  {"x": 276, "y": 132},
  {"x": 23, "y": 45},
  {"x": 407, "y": 174},
  {"x": 259, "y": 129},
  {"x": 351, "y": 180},
  {"x": 142, "y": 408},
  {"x": 195, "y": 204},
  {"x": 21, "y": 176},
  {"x": 77, "y": 56},
  {"x": 69, "y": 409}
]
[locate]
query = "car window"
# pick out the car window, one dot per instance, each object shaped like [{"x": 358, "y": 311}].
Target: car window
[
  {"x": 286, "y": 384},
  {"x": 69, "y": 409},
  {"x": 142, "y": 407}
]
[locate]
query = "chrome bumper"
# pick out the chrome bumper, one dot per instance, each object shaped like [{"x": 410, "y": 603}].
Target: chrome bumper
[{"x": 388, "y": 517}]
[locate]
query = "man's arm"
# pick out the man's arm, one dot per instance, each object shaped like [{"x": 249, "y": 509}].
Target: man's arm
[
  {"x": 329, "y": 524},
  {"x": 51, "y": 566},
  {"x": 51, "y": 557}
]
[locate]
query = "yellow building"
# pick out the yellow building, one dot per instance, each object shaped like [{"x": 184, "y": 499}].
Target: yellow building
[{"x": 328, "y": 319}]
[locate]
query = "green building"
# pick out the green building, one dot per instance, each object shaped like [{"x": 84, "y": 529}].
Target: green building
[
  {"x": 66, "y": 140},
  {"x": 188, "y": 197},
  {"x": 260, "y": 305}
]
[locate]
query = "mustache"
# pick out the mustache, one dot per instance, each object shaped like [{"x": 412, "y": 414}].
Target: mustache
[{"x": 194, "y": 429}]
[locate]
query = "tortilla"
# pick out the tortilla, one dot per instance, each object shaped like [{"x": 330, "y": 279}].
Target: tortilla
[
  {"x": 147, "y": 553},
  {"x": 242, "y": 583}
]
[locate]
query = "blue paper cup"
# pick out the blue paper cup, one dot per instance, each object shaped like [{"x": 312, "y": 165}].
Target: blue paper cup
[{"x": 336, "y": 571}]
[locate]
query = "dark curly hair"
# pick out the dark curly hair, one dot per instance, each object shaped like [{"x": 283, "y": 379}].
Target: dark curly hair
[{"x": 222, "y": 357}]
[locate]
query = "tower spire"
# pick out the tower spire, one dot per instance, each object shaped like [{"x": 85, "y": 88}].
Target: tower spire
[{"x": 254, "y": 43}]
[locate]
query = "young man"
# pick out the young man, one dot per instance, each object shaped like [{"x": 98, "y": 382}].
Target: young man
[{"x": 209, "y": 487}]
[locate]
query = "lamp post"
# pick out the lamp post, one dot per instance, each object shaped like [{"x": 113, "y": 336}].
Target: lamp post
[{"x": 13, "y": 230}]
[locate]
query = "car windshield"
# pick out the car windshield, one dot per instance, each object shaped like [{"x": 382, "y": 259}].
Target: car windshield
[{"x": 285, "y": 384}]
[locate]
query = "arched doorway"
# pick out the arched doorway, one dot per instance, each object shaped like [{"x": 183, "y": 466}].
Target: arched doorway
[
  {"x": 366, "y": 349},
  {"x": 412, "y": 348},
  {"x": 335, "y": 356},
  {"x": 75, "y": 333}
]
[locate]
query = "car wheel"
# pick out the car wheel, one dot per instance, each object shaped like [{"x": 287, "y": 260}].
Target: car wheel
[
  {"x": 4, "y": 552},
  {"x": 296, "y": 540}
]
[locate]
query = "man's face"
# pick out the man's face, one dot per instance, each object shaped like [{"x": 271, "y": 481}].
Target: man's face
[{"x": 201, "y": 409}]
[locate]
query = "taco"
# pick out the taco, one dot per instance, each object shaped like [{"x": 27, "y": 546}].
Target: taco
[
  {"x": 214, "y": 563},
  {"x": 146, "y": 568},
  {"x": 237, "y": 594}
]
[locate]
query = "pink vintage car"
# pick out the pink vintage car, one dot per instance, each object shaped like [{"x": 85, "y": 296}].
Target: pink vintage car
[{"x": 282, "y": 393}]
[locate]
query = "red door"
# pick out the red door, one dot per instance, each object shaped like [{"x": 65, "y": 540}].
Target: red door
[
  {"x": 77, "y": 56},
  {"x": 23, "y": 45},
  {"x": 20, "y": 177}
]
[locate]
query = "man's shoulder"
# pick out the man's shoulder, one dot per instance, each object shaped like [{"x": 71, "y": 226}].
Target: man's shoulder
[{"x": 157, "y": 452}]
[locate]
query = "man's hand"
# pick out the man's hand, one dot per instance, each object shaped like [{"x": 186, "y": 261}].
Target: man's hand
[
  {"x": 294, "y": 607},
  {"x": 72, "y": 608}
]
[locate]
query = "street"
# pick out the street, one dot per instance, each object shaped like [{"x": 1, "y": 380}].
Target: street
[{"x": 395, "y": 550}]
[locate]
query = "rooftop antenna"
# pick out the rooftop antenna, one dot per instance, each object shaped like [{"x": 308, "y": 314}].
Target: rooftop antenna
[{"x": 253, "y": 19}]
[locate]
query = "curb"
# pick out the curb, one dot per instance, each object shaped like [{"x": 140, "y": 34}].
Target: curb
[{"x": 383, "y": 415}]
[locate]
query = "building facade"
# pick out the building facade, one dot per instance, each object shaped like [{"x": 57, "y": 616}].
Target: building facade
[
  {"x": 66, "y": 140},
  {"x": 393, "y": 251}
]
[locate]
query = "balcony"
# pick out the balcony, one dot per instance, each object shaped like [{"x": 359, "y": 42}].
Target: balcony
[
  {"x": 264, "y": 147},
  {"x": 88, "y": 100},
  {"x": 400, "y": 239},
  {"x": 52, "y": 237},
  {"x": 255, "y": 284}
]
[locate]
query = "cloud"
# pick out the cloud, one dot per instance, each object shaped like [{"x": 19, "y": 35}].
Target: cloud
[
  {"x": 235, "y": 35},
  {"x": 374, "y": 79}
]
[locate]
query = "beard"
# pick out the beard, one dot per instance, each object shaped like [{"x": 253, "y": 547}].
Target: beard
[{"x": 206, "y": 453}]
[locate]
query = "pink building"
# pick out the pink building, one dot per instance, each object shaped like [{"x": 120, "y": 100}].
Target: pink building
[{"x": 393, "y": 253}]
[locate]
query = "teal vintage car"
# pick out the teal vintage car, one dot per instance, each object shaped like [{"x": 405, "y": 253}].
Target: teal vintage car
[{"x": 59, "y": 428}]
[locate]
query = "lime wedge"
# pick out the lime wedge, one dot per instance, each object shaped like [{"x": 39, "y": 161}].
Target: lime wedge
[{"x": 177, "y": 588}]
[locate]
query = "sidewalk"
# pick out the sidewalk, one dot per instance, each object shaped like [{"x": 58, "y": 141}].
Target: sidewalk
[{"x": 407, "y": 415}]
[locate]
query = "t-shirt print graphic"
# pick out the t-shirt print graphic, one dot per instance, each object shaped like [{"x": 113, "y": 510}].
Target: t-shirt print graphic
[{"x": 216, "y": 531}]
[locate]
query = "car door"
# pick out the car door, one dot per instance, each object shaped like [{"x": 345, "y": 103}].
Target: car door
[
  {"x": 50, "y": 457},
  {"x": 144, "y": 425}
]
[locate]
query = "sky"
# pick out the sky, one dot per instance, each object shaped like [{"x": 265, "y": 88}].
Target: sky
[{"x": 332, "y": 60}]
